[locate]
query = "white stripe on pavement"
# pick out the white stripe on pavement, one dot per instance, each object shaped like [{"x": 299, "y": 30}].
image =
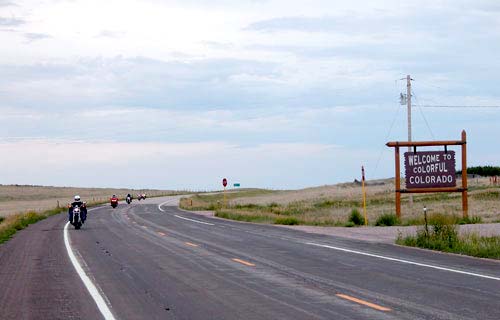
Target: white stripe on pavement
[
  {"x": 163, "y": 203},
  {"x": 180, "y": 217},
  {"x": 197, "y": 221},
  {"x": 404, "y": 261},
  {"x": 99, "y": 300}
]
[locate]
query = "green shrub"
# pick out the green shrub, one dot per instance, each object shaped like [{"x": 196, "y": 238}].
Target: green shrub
[
  {"x": 290, "y": 221},
  {"x": 356, "y": 218},
  {"x": 387, "y": 219},
  {"x": 2, "y": 219},
  {"x": 468, "y": 220},
  {"x": 349, "y": 224}
]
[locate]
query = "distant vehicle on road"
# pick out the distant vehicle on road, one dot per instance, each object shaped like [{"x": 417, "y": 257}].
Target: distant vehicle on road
[
  {"x": 141, "y": 196},
  {"x": 114, "y": 201}
]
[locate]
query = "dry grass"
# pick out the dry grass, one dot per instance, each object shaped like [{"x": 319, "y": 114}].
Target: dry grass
[
  {"x": 20, "y": 199},
  {"x": 331, "y": 205}
]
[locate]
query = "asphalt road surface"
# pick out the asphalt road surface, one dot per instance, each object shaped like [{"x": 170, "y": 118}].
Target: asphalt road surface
[{"x": 150, "y": 260}]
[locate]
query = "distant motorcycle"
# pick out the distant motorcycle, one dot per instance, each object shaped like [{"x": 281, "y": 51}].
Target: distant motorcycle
[
  {"x": 77, "y": 220},
  {"x": 129, "y": 199},
  {"x": 141, "y": 196},
  {"x": 114, "y": 202}
]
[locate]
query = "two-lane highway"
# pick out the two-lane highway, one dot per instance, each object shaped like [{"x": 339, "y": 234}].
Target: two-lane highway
[{"x": 150, "y": 260}]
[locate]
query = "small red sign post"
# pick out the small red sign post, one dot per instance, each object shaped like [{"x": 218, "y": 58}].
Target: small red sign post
[
  {"x": 364, "y": 193},
  {"x": 224, "y": 183}
]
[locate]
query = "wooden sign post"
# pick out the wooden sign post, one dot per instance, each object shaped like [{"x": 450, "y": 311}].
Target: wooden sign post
[{"x": 430, "y": 171}]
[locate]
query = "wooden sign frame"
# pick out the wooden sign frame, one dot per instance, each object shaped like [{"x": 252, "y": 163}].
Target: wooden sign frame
[{"x": 463, "y": 189}]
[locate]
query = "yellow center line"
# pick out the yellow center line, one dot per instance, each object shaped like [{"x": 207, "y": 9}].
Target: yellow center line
[
  {"x": 363, "y": 302},
  {"x": 244, "y": 262},
  {"x": 161, "y": 233},
  {"x": 191, "y": 244}
]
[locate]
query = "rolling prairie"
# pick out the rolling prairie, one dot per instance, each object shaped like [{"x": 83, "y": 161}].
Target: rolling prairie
[
  {"x": 23, "y": 198},
  {"x": 330, "y": 205}
]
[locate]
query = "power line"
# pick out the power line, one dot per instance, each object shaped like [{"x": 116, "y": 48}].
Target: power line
[
  {"x": 459, "y": 107},
  {"x": 423, "y": 116},
  {"x": 387, "y": 137}
]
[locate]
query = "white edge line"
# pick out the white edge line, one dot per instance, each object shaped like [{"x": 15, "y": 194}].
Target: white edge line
[
  {"x": 99, "y": 300},
  {"x": 177, "y": 216},
  {"x": 197, "y": 221},
  {"x": 159, "y": 206},
  {"x": 404, "y": 261}
]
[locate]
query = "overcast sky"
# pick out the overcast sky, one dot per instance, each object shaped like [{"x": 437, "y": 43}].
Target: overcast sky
[{"x": 268, "y": 93}]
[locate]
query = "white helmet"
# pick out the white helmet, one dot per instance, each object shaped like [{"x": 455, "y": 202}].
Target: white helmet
[{"x": 77, "y": 198}]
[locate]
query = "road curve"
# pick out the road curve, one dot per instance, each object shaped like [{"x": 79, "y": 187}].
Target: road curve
[{"x": 152, "y": 261}]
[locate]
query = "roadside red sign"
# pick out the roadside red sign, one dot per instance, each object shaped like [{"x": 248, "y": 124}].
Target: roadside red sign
[
  {"x": 224, "y": 182},
  {"x": 431, "y": 169}
]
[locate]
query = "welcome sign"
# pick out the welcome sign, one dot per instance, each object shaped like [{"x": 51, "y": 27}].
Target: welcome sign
[{"x": 430, "y": 169}]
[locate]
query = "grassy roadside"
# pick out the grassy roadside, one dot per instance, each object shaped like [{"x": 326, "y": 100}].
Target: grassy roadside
[
  {"x": 442, "y": 234},
  {"x": 290, "y": 214},
  {"x": 11, "y": 224},
  {"x": 313, "y": 212}
]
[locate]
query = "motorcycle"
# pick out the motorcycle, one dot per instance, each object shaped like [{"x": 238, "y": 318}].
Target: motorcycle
[
  {"x": 141, "y": 196},
  {"x": 114, "y": 202},
  {"x": 129, "y": 200},
  {"x": 77, "y": 221}
]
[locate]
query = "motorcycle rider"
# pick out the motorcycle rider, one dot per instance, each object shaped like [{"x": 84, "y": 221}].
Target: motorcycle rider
[
  {"x": 114, "y": 201},
  {"x": 83, "y": 209}
]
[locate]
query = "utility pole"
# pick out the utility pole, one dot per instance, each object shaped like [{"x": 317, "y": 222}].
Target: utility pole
[{"x": 408, "y": 103}]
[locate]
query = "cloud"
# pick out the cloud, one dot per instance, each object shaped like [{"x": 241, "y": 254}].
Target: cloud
[
  {"x": 11, "y": 22},
  {"x": 306, "y": 24},
  {"x": 111, "y": 34},
  {"x": 161, "y": 165},
  {"x": 209, "y": 83},
  {"x": 6, "y": 3},
  {"x": 36, "y": 36}
]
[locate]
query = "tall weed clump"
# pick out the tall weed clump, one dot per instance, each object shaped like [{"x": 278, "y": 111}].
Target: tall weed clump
[
  {"x": 387, "y": 220},
  {"x": 442, "y": 234},
  {"x": 355, "y": 218}
]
